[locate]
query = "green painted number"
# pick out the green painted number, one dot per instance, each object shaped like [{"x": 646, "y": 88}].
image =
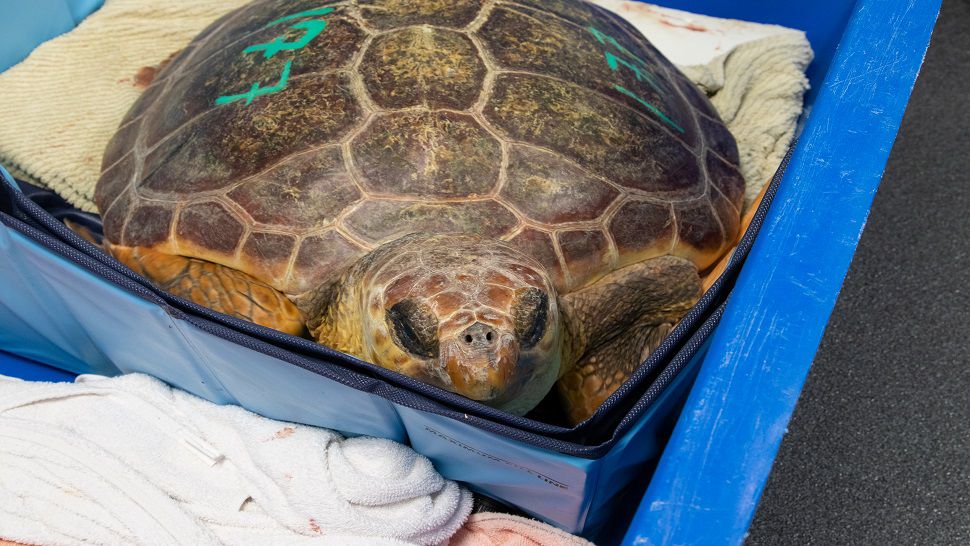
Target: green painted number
[
  {"x": 640, "y": 71},
  {"x": 307, "y": 13},
  {"x": 649, "y": 106},
  {"x": 312, "y": 27},
  {"x": 256, "y": 90},
  {"x": 642, "y": 75},
  {"x": 604, "y": 38}
]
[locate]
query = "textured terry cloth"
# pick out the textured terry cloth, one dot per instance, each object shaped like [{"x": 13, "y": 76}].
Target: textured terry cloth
[
  {"x": 62, "y": 104},
  {"x": 488, "y": 529},
  {"x": 760, "y": 107},
  {"x": 129, "y": 460}
]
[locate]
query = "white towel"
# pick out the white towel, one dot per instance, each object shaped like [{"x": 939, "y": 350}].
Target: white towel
[
  {"x": 62, "y": 104},
  {"x": 129, "y": 460}
]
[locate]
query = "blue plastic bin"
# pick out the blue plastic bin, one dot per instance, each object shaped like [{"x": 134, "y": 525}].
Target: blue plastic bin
[{"x": 708, "y": 481}]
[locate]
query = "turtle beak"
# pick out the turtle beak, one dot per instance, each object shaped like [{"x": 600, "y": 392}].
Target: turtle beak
[{"x": 481, "y": 362}]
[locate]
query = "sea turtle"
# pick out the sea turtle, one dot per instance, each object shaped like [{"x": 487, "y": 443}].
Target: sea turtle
[{"x": 487, "y": 195}]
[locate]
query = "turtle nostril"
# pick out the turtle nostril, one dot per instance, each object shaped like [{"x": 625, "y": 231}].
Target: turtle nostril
[{"x": 480, "y": 336}]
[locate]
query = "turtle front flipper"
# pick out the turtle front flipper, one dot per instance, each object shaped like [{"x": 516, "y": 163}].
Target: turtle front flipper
[
  {"x": 215, "y": 286},
  {"x": 613, "y": 324}
]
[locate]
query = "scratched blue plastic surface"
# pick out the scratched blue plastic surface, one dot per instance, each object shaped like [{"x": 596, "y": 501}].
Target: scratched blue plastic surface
[{"x": 708, "y": 482}]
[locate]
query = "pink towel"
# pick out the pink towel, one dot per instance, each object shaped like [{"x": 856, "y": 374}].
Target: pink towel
[{"x": 490, "y": 529}]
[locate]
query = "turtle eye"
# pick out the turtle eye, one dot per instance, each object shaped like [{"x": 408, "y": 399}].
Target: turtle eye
[
  {"x": 415, "y": 328},
  {"x": 529, "y": 314}
]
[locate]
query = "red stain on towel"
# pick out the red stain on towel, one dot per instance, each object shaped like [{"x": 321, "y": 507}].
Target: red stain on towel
[
  {"x": 284, "y": 432},
  {"x": 146, "y": 74},
  {"x": 314, "y": 527},
  {"x": 637, "y": 8},
  {"x": 688, "y": 26}
]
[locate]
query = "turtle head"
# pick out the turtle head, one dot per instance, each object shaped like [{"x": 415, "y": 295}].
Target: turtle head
[{"x": 471, "y": 315}]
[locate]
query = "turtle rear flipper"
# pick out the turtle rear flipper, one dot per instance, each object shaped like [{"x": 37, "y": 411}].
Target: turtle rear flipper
[
  {"x": 613, "y": 324},
  {"x": 83, "y": 231},
  {"x": 220, "y": 288}
]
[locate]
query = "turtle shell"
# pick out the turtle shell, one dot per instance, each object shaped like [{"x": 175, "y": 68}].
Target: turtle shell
[{"x": 291, "y": 138}]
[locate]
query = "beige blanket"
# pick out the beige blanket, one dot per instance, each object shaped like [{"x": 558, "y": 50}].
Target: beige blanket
[{"x": 61, "y": 105}]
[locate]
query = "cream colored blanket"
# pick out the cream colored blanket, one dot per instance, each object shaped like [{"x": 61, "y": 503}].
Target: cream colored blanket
[{"x": 61, "y": 105}]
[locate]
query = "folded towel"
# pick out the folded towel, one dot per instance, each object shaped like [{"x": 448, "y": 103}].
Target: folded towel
[
  {"x": 488, "y": 529},
  {"x": 63, "y": 103},
  {"x": 129, "y": 460},
  {"x": 772, "y": 71}
]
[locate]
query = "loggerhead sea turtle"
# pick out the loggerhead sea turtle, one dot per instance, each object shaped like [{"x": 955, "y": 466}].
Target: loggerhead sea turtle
[{"x": 486, "y": 195}]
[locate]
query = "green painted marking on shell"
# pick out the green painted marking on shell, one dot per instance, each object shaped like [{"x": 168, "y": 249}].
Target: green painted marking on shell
[
  {"x": 257, "y": 90},
  {"x": 307, "y": 13},
  {"x": 604, "y": 38},
  {"x": 642, "y": 74},
  {"x": 649, "y": 106},
  {"x": 311, "y": 29}
]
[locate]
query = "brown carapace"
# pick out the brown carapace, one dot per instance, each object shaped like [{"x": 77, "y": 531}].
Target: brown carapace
[{"x": 488, "y": 195}]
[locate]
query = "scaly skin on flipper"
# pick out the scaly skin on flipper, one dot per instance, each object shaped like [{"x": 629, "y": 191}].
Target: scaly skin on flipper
[
  {"x": 215, "y": 286},
  {"x": 603, "y": 369},
  {"x": 292, "y": 147},
  {"x": 614, "y": 324}
]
